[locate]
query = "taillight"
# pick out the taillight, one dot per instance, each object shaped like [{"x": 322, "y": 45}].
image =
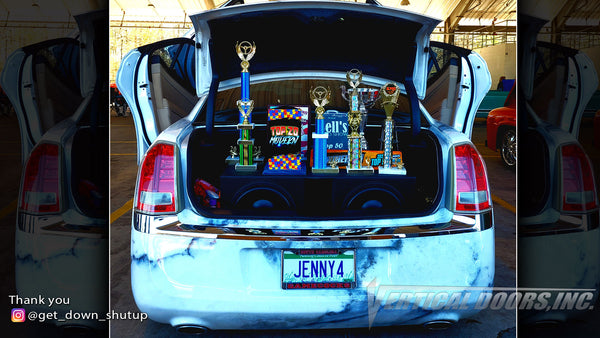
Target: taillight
[
  {"x": 578, "y": 188},
  {"x": 41, "y": 184},
  {"x": 157, "y": 185},
  {"x": 471, "y": 186}
]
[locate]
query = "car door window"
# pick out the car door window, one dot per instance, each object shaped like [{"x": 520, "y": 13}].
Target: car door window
[
  {"x": 55, "y": 75},
  {"x": 443, "y": 84},
  {"x": 173, "y": 86}
]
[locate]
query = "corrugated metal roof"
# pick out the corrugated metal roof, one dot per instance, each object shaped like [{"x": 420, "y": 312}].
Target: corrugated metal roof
[{"x": 477, "y": 13}]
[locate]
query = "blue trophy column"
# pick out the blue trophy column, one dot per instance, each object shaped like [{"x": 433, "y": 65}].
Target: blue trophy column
[
  {"x": 245, "y": 88},
  {"x": 387, "y": 148},
  {"x": 320, "y": 145}
]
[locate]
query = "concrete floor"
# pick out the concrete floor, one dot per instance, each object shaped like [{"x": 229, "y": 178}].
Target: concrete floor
[{"x": 487, "y": 323}]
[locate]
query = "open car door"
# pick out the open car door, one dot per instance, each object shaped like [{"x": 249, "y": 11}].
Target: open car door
[
  {"x": 37, "y": 79},
  {"x": 564, "y": 81},
  {"x": 458, "y": 80},
  {"x": 158, "y": 83}
]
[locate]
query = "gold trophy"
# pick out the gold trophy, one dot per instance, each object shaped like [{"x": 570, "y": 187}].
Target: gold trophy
[{"x": 355, "y": 166}]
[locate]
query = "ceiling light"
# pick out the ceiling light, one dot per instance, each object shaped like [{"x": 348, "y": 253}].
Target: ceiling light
[{"x": 404, "y": 3}]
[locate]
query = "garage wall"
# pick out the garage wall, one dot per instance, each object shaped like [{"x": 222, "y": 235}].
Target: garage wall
[
  {"x": 501, "y": 61},
  {"x": 594, "y": 54}
]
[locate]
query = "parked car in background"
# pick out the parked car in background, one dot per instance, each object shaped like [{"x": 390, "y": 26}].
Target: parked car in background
[
  {"x": 502, "y": 130},
  {"x": 198, "y": 264}
]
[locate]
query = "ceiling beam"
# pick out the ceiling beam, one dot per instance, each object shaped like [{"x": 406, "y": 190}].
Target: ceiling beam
[
  {"x": 558, "y": 23},
  {"x": 487, "y": 29},
  {"x": 208, "y": 4},
  {"x": 457, "y": 13}
]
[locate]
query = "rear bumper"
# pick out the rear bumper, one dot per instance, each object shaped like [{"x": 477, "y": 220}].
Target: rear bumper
[
  {"x": 229, "y": 283},
  {"x": 67, "y": 266},
  {"x": 567, "y": 262}
]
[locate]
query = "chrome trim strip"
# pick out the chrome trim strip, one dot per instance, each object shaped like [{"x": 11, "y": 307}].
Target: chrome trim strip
[
  {"x": 55, "y": 225},
  {"x": 170, "y": 225},
  {"x": 567, "y": 223}
]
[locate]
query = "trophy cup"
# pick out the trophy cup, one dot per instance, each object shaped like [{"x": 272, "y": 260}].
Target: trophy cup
[
  {"x": 366, "y": 99},
  {"x": 320, "y": 96},
  {"x": 389, "y": 97},
  {"x": 245, "y": 51},
  {"x": 355, "y": 144}
]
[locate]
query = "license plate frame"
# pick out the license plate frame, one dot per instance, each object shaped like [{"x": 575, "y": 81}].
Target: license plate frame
[{"x": 308, "y": 259}]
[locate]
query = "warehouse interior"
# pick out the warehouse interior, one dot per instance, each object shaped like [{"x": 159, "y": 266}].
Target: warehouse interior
[{"x": 486, "y": 26}]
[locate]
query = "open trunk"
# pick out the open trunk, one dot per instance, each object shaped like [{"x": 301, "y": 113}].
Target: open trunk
[
  {"x": 306, "y": 195},
  {"x": 282, "y": 75}
]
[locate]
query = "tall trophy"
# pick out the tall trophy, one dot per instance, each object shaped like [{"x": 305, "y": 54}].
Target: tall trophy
[
  {"x": 366, "y": 99},
  {"x": 320, "y": 96},
  {"x": 355, "y": 121},
  {"x": 389, "y": 97},
  {"x": 245, "y": 51}
]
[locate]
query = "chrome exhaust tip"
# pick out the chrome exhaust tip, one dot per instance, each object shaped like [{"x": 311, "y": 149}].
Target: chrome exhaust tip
[
  {"x": 440, "y": 324},
  {"x": 547, "y": 324},
  {"x": 192, "y": 329},
  {"x": 75, "y": 330}
]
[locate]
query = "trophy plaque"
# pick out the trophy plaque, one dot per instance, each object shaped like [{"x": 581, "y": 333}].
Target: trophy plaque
[
  {"x": 320, "y": 96},
  {"x": 389, "y": 98},
  {"x": 355, "y": 144}
]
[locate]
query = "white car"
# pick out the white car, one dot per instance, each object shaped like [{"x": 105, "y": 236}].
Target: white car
[
  {"x": 215, "y": 248},
  {"x": 61, "y": 233}
]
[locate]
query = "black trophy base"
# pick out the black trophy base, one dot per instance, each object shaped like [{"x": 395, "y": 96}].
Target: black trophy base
[
  {"x": 246, "y": 168},
  {"x": 360, "y": 171},
  {"x": 327, "y": 170}
]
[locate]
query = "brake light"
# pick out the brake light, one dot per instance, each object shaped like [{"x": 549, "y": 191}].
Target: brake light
[
  {"x": 156, "y": 186},
  {"x": 41, "y": 190},
  {"x": 471, "y": 186},
  {"x": 578, "y": 188}
]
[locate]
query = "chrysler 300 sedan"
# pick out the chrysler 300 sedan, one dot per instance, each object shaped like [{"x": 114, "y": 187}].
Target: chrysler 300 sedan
[{"x": 237, "y": 226}]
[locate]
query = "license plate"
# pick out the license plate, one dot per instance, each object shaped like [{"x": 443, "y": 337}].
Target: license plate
[{"x": 318, "y": 269}]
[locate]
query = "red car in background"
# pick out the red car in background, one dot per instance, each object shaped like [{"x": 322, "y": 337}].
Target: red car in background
[{"x": 501, "y": 130}]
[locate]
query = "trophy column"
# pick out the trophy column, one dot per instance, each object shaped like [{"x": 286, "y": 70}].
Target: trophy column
[
  {"x": 320, "y": 97},
  {"x": 389, "y": 96},
  {"x": 355, "y": 148}
]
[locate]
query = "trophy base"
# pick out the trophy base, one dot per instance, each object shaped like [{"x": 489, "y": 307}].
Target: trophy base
[
  {"x": 231, "y": 160},
  {"x": 360, "y": 171},
  {"x": 392, "y": 171},
  {"x": 245, "y": 168},
  {"x": 329, "y": 170}
]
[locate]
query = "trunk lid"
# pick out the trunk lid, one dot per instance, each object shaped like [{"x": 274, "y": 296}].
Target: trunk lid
[{"x": 310, "y": 35}]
